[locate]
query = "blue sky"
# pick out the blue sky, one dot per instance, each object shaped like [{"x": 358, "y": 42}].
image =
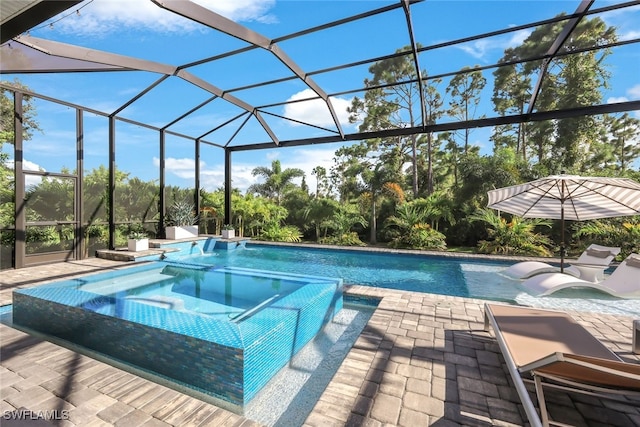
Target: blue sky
[{"x": 140, "y": 28}]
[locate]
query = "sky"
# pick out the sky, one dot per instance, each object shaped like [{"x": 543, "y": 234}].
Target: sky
[{"x": 141, "y": 28}]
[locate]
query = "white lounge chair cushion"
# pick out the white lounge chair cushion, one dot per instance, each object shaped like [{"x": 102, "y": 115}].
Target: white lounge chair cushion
[
  {"x": 633, "y": 261},
  {"x": 598, "y": 253},
  {"x": 593, "y": 255}
]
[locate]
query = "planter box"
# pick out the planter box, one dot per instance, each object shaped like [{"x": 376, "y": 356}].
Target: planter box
[
  {"x": 135, "y": 245},
  {"x": 228, "y": 234},
  {"x": 183, "y": 232}
]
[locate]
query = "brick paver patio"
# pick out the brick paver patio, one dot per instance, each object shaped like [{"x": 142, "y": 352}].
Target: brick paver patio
[{"x": 421, "y": 360}]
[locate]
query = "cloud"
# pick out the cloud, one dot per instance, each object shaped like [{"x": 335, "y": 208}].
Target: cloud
[
  {"x": 101, "y": 17},
  {"x": 634, "y": 91},
  {"x": 616, "y": 99},
  {"x": 30, "y": 180},
  {"x": 211, "y": 176},
  {"x": 316, "y": 111},
  {"x": 482, "y": 48}
]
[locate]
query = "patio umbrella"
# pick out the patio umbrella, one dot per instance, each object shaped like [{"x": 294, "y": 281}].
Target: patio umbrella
[{"x": 569, "y": 197}]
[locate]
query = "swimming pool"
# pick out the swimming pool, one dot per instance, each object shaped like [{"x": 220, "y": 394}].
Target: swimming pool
[
  {"x": 453, "y": 275},
  {"x": 223, "y": 331}
]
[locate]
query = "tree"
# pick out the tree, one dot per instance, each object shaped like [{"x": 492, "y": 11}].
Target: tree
[
  {"x": 433, "y": 107},
  {"x": 7, "y": 133},
  {"x": 320, "y": 212},
  {"x": 568, "y": 81},
  {"x": 322, "y": 181},
  {"x": 29, "y": 123},
  {"x": 465, "y": 91},
  {"x": 623, "y": 139},
  {"x": 393, "y": 101},
  {"x": 370, "y": 173},
  {"x": 277, "y": 181}
]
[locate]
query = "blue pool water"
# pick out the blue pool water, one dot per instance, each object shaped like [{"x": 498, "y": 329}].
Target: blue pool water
[
  {"x": 471, "y": 277},
  {"x": 419, "y": 273},
  {"x": 223, "y": 331}
]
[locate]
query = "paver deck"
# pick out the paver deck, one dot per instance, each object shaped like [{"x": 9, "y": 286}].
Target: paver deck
[{"x": 421, "y": 360}]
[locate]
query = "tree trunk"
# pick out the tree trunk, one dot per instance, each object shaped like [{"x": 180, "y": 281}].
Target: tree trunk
[{"x": 372, "y": 238}]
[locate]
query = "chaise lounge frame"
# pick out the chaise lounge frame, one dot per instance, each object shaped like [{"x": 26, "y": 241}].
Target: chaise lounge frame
[{"x": 575, "y": 360}]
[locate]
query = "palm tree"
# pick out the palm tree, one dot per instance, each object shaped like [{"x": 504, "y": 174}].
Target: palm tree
[
  {"x": 515, "y": 237},
  {"x": 408, "y": 215},
  {"x": 319, "y": 212},
  {"x": 277, "y": 181}
]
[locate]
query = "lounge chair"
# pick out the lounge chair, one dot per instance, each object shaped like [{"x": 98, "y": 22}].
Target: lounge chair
[
  {"x": 551, "y": 349},
  {"x": 590, "y": 265},
  {"x": 624, "y": 282}
]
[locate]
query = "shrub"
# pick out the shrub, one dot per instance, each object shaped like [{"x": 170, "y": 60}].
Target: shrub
[
  {"x": 420, "y": 236},
  {"x": 277, "y": 233},
  {"x": 345, "y": 239}
]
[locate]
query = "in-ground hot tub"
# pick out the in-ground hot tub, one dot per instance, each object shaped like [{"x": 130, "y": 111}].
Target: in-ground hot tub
[{"x": 221, "y": 331}]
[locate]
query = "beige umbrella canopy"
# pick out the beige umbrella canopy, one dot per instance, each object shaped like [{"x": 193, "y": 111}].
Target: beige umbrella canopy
[{"x": 572, "y": 197}]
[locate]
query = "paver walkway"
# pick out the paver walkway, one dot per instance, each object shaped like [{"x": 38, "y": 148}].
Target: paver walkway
[{"x": 421, "y": 360}]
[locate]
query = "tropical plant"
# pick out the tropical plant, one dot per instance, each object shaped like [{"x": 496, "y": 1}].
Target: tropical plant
[
  {"x": 413, "y": 231},
  {"x": 516, "y": 237},
  {"x": 319, "y": 213},
  {"x": 277, "y": 233},
  {"x": 277, "y": 181},
  {"x": 346, "y": 218},
  {"x": 137, "y": 235},
  {"x": 420, "y": 236},
  {"x": 407, "y": 216},
  {"x": 181, "y": 213},
  {"x": 346, "y": 239}
]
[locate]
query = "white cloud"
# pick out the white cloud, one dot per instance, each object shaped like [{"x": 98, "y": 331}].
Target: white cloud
[
  {"x": 316, "y": 111},
  {"x": 616, "y": 99},
  {"x": 211, "y": 176},
  {"x": 30, "y": 166},
  {"x": 30, "y": 180},
  {"x": 481, "y": 49},
  {"x": 634, "y": 91},
  {"x": 107, "y": 16}
]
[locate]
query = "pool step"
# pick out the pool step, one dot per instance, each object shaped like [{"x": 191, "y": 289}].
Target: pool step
[{"x": 122, "y": 283}]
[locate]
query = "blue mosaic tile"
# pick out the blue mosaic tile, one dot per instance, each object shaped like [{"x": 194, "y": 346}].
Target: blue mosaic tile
[{"x": 229, "y": 359}]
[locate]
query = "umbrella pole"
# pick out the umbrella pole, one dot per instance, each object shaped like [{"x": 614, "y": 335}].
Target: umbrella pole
[{"x": 562, "y": 248}]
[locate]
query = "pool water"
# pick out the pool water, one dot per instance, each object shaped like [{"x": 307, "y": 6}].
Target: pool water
[
  {"x": 437, "y": 274},
  {"x": 223, "y": 293},
  {"x": 223, "y": 331},
  {"x": 418, "y": 273}
]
